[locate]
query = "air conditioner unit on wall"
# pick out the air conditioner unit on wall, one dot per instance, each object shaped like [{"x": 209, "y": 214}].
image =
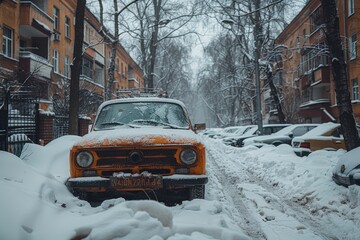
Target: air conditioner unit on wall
[{"x": 56, "y": 36}]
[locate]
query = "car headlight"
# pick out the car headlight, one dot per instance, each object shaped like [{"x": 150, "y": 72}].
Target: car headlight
[
  {"x": 84, "y": 159},
  {"x": 188, "y": 156}
]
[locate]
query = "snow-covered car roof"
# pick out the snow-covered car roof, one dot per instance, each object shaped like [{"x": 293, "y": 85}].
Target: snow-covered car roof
[
  {"x": 288, "y": 129},
  {"x": 321, "y": 129},
  {"x": 142, "y": 99}
]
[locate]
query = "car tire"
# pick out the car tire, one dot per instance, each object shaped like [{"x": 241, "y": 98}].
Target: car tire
[
  {"x": 197, "y": 192},
  {"x": 80, "y": 194}
]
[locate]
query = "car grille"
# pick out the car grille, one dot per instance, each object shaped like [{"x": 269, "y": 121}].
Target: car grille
[
  {"x": 121, "y": 157},
  {"x": 152, "y": 171}
]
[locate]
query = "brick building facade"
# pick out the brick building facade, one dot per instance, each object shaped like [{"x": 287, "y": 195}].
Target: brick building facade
[
  {"x": 37, "y": 45},
  {"x": 306, "y": 78}
]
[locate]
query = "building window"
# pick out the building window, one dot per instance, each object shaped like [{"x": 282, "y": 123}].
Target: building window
[
  {"x": 56, "y": 61},
  {"x": 87, "y": 67},
  {"x": 355, "y": 89},
  {"x": 7, "y": 42},
  {"x": 316, "y": 19},
  {"x": 67, "y": 27},
  {"x": 352, "y": 47},
  {"x": 56, "y": 18},
  {"x": 351, "y": 7},
  {"x": 67, "y": 66}
]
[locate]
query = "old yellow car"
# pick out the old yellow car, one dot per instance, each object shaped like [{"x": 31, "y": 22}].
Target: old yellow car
[
  {"x": 327, "y": 136},
  {"x": 143, "y": 147}
]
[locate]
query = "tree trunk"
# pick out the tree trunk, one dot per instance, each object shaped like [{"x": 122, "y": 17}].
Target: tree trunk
[
  {"x": 114, "y": 43},
  {"x": 339, "y": 71},
  {"x": 153, "y": 44},
  {"x": 275, "y": 95},
  {"x": 76, "y": 68}
]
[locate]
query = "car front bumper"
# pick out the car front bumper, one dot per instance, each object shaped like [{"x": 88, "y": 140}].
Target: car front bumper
[
  {"x": 103, "y": 184},
  {"x": 302, "y": 151},
  {"x": 345, "y": 180}
]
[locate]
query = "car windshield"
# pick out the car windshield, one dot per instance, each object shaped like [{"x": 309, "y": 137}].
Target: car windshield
[{"x": 135, "y": 114}]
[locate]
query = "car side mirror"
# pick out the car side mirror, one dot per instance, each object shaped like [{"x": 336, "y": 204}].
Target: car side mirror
[
  {"x": 291, "y": 134},
  {"x": 199, "y": 127}
]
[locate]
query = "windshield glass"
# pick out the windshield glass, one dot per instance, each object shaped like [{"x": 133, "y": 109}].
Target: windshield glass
[{"x": 142, "y": 113}]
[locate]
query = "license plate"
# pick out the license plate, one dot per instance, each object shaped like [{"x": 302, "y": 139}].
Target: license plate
[{"x": 147, "y": 182}]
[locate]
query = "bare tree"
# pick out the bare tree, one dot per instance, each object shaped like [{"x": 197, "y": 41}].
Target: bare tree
[
  {"x": 339, "y": 70},
  {"x": 76, "y": 67},
  {"x": 153, "y": 21}
]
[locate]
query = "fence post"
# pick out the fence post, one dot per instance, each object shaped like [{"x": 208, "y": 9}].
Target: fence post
[
  {"x": 37, "y": 122},
  {"x": 6, "y": 115}
]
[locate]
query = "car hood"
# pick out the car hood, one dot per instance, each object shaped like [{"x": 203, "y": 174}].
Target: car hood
[
  {"x": 138, "y": 136},
  {"x": 350, "y": 160}
]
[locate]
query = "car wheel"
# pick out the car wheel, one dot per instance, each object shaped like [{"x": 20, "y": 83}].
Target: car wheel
[
  {"x": 197, "y": 192},
  {"x": 80, "y": 194}
]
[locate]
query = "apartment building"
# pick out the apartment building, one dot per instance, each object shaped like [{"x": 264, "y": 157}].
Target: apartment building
[
  {"x": 305, "y": 76},
  {"x": 37, "y": 43}
]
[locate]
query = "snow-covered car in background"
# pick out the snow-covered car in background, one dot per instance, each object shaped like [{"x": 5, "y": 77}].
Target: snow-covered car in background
[
  {"x": 268, "y": 129},
  {"x": 347, "y": 170},
  {"x": 233, "y": 139},
  {"x": 140, "y": 146},
  {"x": 210, "y": 132},
  {"x": 232, "y": 131},
  {"x": 327, "y": 136},
  {"x": 284, "y": 136}
]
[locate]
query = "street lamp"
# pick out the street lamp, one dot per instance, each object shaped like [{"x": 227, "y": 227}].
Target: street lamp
[{"x": 257, "y": 75}]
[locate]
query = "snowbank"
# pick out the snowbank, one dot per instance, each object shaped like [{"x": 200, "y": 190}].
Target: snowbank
[{"x": 35, "y": 204}]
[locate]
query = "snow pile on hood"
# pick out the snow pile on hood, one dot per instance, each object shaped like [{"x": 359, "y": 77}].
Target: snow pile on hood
[
  {"x": 35, "y": 204},
  {"x": 143, "y": 135}
]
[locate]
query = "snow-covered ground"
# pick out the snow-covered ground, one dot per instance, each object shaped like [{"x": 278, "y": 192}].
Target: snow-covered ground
[{"x": 266, "y": 193}]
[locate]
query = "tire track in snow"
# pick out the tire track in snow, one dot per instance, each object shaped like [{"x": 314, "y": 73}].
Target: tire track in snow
[
  {"x": 257, "y": 204},
  {"x": 223, "y": 189}
]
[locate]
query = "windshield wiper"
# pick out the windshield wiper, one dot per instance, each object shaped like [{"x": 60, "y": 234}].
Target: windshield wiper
[
  {"x": 114, "y": 123},
  {"x": 156, "y": 123}
]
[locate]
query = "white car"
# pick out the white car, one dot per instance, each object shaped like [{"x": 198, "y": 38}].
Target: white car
[
  {"x": 250, "y": 130},
  {"x": 347, "y": 170}
]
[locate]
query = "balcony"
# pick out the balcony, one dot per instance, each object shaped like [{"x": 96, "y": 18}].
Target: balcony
[
  {"x": 34, "y": 22},
  {"x": 35, "y": 64}
]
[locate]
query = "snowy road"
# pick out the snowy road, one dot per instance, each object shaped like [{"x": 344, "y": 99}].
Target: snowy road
[{"x": 257, "y": 206}]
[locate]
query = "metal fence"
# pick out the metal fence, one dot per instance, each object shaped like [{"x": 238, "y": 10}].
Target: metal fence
[
  {"x": 61, "y": 126},
  {"x": 18, "y": 119}
]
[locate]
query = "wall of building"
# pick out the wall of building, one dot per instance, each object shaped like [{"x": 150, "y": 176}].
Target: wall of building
[
  {"x": 33, "y": 25},
  {"x": 314, "y": 85}
]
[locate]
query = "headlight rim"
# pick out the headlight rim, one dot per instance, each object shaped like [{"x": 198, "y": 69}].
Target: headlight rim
[
  {"x": 188, "y": 163},
  {"x": 84, "y": 152}
]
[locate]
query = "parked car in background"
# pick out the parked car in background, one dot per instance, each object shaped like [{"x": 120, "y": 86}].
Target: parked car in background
[
  {"x": 347, "y": 170},
  {"x": 233, "y": 131},
  {"x": 284, "y": 136},
  {"x": 327, "y": 136},
  {"x": 253, "y": 132},
  {"x": 232, "y": 141},
  {"x": 140, "y": 147},
  {"x": 210, "y": 132}
]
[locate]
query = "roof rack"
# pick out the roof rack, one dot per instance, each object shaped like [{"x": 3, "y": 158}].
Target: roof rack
[{"x": 142, "y": 92}]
